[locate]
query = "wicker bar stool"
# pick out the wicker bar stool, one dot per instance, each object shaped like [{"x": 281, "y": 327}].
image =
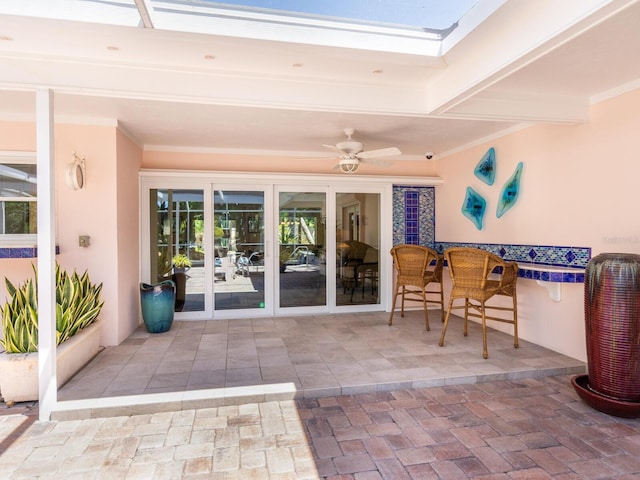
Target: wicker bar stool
[
  {"x": 471, "y": 272},
  {"x": 417, "y": 267}
]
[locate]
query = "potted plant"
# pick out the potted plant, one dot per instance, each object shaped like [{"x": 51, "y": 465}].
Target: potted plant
[
  {"x": 78, "y": 305},
  {"x": 180, "y": 263}
]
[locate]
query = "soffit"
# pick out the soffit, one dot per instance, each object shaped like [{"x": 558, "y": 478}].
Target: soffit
[{"x": 252, "y": 96}]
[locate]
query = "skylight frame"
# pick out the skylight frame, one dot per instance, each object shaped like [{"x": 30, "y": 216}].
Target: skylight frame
[
  {"x": 208, "y": 19},
  {"x": 199, "y": 17},
  {"x": 443, "y": 16}
]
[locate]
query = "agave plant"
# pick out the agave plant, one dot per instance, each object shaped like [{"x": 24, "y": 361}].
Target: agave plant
[{"x": 77, "y": 306}]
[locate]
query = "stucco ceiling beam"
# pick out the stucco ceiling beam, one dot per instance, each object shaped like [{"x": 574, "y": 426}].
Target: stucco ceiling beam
[
  {"x": 518, "y": 34},
  {"x": 523, "y": 108},
  {"x": 130, "y": 81}
]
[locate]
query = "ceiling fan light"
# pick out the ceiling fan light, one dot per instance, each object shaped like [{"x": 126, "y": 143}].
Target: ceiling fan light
[{"x": 348, "y": 167}]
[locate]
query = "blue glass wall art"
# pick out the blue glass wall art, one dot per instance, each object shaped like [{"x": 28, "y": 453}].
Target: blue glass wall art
[
  {"x": 510, "y": 191},
  {"x": 486, "y": 168},
  {"x": 473, "y": 207}
]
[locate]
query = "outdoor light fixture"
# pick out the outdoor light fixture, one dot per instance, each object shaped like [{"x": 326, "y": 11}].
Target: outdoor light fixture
[
  {"x": 75, "y": 175},
  {"x": 349, "y": 164}
]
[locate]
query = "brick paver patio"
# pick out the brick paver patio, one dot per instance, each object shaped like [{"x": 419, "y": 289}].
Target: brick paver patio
[{"x": 534, "y": 428}]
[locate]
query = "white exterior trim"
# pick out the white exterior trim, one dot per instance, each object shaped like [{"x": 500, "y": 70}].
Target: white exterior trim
[{"x": 47, "y": 375}]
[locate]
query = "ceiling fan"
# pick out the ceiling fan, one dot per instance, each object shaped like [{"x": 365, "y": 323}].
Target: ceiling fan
[{"x": 350, "y": 153}]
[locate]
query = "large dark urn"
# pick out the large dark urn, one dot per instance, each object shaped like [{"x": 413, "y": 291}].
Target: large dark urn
[
  {"x": 180, "y": 280},
  {"x": 612, "y": 327}
]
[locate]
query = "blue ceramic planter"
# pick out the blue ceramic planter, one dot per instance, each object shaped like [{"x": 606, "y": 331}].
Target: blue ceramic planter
[{"x": 158, "y": 303}]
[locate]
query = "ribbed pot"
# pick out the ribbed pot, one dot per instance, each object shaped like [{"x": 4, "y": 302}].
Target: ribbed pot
[
  {"x": 158, "y": 303},
  {"x": 612, "y": 323}
]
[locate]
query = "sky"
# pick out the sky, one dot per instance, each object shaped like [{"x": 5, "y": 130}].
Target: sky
[{"x": 433, "y": 14}]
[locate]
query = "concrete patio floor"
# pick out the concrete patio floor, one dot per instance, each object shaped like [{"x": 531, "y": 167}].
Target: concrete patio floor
[{"x": 203, "y": 364}]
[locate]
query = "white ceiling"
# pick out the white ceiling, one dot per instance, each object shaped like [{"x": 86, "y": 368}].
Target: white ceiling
[{"x": 528, "y": 62}]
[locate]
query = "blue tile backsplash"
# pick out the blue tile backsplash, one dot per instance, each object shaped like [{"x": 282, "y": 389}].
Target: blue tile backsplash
[
  {"x": 414, "y": 223},
  {"x": 21, "y": 252},
  {"x": 576, "y": 257}
]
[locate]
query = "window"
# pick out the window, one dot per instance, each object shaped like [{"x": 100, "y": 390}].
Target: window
[{"x": 18, "y": 198}]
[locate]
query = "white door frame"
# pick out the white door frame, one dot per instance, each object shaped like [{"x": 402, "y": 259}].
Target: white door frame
[{"x": 272, "y": 183}]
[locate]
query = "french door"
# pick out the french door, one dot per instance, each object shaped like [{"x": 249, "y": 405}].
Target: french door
[
  {"x": 358, "y": 240},
  {"x": 239, "y": 249},
  {"x": 302, "y": 255},
  {"x": 177, "y": 229},
  {"x": 266, "y": 249}
]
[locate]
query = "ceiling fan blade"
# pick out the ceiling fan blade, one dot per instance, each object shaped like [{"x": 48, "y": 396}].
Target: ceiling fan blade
[
  {"x": 333, "y": 148},
  {"x": 383, "y": 152}
]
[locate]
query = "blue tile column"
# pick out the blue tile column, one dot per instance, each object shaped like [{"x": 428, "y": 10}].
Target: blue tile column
[{"x": 414, "y": 215}]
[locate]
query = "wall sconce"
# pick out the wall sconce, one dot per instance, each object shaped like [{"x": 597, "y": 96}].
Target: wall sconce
[{"x": 75, "y": 174}]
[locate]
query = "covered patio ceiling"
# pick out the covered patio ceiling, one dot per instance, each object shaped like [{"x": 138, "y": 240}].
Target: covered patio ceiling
[{"x": 195, "y": 81}]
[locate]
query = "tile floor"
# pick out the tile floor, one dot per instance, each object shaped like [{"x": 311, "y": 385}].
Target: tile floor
[{"x": 228, "y": 362}]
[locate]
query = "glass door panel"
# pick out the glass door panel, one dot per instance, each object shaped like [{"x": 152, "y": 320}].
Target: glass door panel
[
  {"x": 177, "y": 232},
  {"x": 357, "y": 248},
  {"x": 238, "y": 234},
  {"x": 302, "y": 249}
]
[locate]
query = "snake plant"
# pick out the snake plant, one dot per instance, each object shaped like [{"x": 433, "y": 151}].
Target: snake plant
[{"x": 77, "y": 306}]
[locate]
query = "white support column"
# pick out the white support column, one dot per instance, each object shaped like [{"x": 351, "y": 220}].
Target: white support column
[{"x": 48, "y": 385}]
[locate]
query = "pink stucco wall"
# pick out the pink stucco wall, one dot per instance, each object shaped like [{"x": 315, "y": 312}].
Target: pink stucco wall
[
  {"x": 106, "y": 210},
  {"x": 128, "y": 158},
  {"x": 18, "y": 137},
  {"x": 579, "y": 188}
]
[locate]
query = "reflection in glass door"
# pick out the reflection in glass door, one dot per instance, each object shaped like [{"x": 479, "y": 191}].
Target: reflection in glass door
[
  {"x": 321, "y": 246},
  {"x": 357, "y": 248},
  {"x": 177, "y": 247},
  {"x": 238, "y": 233},
  {"x": 302, "y": 249}
]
